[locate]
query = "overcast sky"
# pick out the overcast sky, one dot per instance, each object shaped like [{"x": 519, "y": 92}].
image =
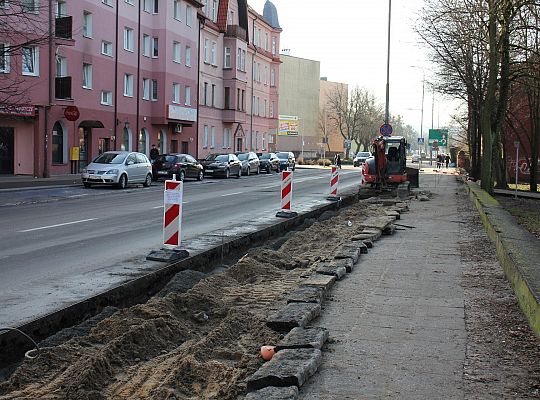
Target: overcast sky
[{"x": 349, "y": 38}]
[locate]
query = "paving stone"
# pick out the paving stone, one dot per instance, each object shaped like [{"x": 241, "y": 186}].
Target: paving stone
[
  {"x": 348, "y": 251},
  {"x": 363, "y": 248},
  {"x": 344, "y": 262},
  {"x": 291, "y": 367},
  {"x": 393, "y": 214},
  {"x": 293, "y": 315},
  {"x": 331, "y": 269},
  {"x": 274, "y": 393},
  {"x": 306, "y": 294},
  {"x": 324, "y": 282},
  {"x": 361, "y": 237},
  {"x": 390, "y": 230},
  {"x": 377, "y": 233},
  {"x": 299, "y": 338},
  {"x": 368, "y": 243}
]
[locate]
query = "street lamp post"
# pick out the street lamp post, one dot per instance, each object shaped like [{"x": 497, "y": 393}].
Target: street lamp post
[{"x": 387, "y": 110}]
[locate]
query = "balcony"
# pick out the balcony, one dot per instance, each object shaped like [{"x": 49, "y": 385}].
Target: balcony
[
  {"x": 63, "y": 27},
  {"x": 62, "y": 87},
  {"x": 234, "y": 116},
  {"x": 236, "y": 31}
]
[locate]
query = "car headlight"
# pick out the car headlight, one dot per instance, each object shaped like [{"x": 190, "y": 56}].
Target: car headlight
[
  {"x": 112, "y": 172},
  {"x": 84, "y": 170}
]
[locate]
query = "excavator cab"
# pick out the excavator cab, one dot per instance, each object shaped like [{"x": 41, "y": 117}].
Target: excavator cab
[{"x": 389, "y": 162}]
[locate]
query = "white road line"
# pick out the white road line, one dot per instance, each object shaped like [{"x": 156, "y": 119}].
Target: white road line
[
  {"x": 155, "y": 208},
  {"x": 57, "y": 225},
  {"x": 231, "y": 194}
]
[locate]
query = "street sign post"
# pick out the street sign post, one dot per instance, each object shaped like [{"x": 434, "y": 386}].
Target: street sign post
[
  {"x": 438, "y": 135},
  {"x": 420, "y": 141},
  {"x": 386, "y": 130},
  {"x": 516, "y": 145}
]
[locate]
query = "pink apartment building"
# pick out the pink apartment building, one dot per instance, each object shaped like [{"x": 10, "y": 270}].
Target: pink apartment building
[
  {"x": 129, "y": 66},
  {"x": 239, "y": 78}
]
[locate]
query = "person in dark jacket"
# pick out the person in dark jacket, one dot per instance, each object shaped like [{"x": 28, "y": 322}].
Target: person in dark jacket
[
  {"x": 447, "y": 159},
  {"x": 154, "y": 154}
]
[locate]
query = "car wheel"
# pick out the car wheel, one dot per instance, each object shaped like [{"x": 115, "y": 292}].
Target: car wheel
[
  {"x": 122, "y": 182},
  {"x": 87, "y": 185},
  {"x": 227, "y": 173},
  {"x": 200, "y": 177},
  {"x": 182, "y": 176},
  {"x": 258, "y": 170},
  {"x": 269, "y": 170},
  {"x": 248, "y": 171},
  {"x": 148, "y": 180},
  {"x": 240, "y": 173}
]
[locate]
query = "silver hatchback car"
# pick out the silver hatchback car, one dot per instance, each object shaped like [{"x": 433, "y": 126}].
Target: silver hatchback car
[{"x": 118, "y": 168}]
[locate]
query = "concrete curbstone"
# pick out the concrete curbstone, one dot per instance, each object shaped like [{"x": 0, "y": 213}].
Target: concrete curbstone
[
  {"x": 368, "y": 243},
  {"x": 376, "y": 233},
  {"x": 306, "y": 294},
  {"x": 306, "y": 338},
  {"x": 390, "y": 230},
  {"x": 291, "y": 367},
  {"x": 347, "y": 263},
  {"x": 351, "y": 251},
  {"x": 324, "y": 282},
  {"x": 293, "y": 315},
  {"x": 274, "y": 393},
  {"x": 331, "y": 269}
]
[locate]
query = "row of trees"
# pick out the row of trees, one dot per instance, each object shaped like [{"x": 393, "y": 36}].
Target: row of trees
[
  {"x": 485, "y": 53},
  {"x": 358, "y": 116}
]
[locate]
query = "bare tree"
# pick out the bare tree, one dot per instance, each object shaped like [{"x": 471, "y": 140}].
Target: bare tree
[{"x": 23, "y": 24}]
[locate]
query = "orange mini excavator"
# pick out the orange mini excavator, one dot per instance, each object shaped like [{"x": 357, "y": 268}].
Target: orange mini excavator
[{"x": 388, "y": 165}]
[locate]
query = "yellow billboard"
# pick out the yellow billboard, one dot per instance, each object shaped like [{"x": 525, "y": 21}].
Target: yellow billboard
[{"x": 288, "y": 125}]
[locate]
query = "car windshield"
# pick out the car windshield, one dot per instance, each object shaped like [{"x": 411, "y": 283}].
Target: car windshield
[
  {"x": 243, "y": 156},
  {"x": 265, "y": 157},
  {"x": 211, "y": 157},
  {"x": 363, "y": 154},
  {"x": 111, "y": 158},
  {"x": 166, "y": 158},
  {"x": 222, "y": 158},
  {"x": 282, "y": 155}
]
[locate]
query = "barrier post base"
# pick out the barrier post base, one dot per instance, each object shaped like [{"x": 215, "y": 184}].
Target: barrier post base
[
  {"x": 286, "y": 214},
  {"x": 167, "y": 255},
  {"x": 333, "y": 198}
]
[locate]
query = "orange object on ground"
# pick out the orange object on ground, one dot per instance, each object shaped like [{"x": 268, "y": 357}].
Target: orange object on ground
[{"x": 267, "y": 352}]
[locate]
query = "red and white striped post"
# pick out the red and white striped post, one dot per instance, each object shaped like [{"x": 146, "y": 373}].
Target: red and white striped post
[
  {"x": 172, "y": 213},
  {"x": 334, "y": 181},
  {"x": 286, "y": 195}
]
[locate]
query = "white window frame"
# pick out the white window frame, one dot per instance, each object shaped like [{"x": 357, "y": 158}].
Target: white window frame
[
  {"x": 155, "y": 6},
  {"x": 146, "y": 89},
  {"x": 265, "y": 107},
  {"x": 272, "y": 77},
  {"x": 61, "y": 66},
  {"x": 188, "y": 96},
  {"x": 146, "y": 6},
  {"x": 272, "y": 105},
  {"x": 263, "y": 148},
  {"x": 205, "y": 137},
  {"x": 35, "y": 61},
  {"x": 128, "y": 39},
  {"x": 215, "y": 8},
  {"x": 33, "y": 7},
  {"x": 177, "y": 10},
  {"x": 227, "y": 57},
  {"x": 274, "y": 45},
  {"x": 243, "y": 60},
  {"x": 107, "y": 95},
  {"x": 213, "y": 50},
  {"x": 206, "y": 51},
  {"x": 146, "y": 44},
  {"x": 212, "y": 137},
  {"x": 155, "y": 47},
  {"x": 128, "y": 85},
  {"x": 176, "y": 52},
  {"x": 87, "y": 24},
  {"x": 154, "y": 90},
  {"x": 107, "y": 2},
  {"x": 104, "y": 45},
  {"x": 188, "y": 56},
  {"x": 176, "y": 93},
  {"x": 266, "y": 75},
  {"x": 130, "y": 2},
  {"x": 6, "y": 67},
  {"x": 239, "y": 60},
  {"x": 189, "y": 15},
  {"x": 87, "y": 76}
]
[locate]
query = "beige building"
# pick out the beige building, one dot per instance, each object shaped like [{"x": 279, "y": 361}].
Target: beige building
[
  {"x": 327, "y": 126},
  {"x": 299, "y": 101}
]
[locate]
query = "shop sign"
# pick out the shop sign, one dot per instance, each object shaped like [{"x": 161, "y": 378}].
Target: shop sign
[
  {"x": 20, "y": 111},
  {"x": 181, "y": 113}
]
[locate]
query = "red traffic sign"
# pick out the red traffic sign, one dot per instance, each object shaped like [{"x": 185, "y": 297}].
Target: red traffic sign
[
  {"x": 386, "y": 130},
  {"x": 72, "y": 113}
]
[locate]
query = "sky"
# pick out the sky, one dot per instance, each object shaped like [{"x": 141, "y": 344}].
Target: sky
[{"x": 349, "y": 38}]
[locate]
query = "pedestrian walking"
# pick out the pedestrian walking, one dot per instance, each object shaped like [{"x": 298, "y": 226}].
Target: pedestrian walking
[
  {"x": 154, "y": 154},
  {"x": 337, "y": 161},
  {"x": 447, "y": 159}
]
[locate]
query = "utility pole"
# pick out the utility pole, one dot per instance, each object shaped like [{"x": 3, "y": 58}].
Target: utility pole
[{"x": 387, "y": 111}]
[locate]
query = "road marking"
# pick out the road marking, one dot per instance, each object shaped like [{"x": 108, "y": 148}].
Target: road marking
[
  {"x": 155, "y": 208},
  {"x": 231, "y": 194},
  {"x": 57, "y": 225}
]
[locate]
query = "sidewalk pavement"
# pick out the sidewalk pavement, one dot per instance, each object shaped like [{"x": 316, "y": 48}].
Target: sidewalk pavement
[
  {"x": 397, "y": 323},
  {"x": 27, "y": 182}
]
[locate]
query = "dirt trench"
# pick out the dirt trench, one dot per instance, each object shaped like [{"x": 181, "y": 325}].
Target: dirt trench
[{"x": 201, "y": 344}]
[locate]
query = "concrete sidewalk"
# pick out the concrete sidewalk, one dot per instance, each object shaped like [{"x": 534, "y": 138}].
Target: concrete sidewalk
[
  {"x": 397, "y": 323},
  {"x": 28, "y": 182}
]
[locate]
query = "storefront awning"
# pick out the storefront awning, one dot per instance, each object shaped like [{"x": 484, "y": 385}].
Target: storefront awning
[{"x": 91, "y": 124}]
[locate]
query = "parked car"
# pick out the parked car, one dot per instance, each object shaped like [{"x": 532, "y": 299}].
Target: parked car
[
  {"x": 269, "y": 162},
  {"x": 250, "y": 163},
  {"x": 118, "y": 168},
  {"x": 183, "y": 165},
  {"x": 361, "y": 158},
  {"x": 222, "y": 165},
  {"x": 286, "y": 160}
]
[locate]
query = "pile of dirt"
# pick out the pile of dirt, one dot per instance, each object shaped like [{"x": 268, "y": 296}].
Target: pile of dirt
[
  {"x": 184, "y": 344},
  {"x": 502, "y": 351}
]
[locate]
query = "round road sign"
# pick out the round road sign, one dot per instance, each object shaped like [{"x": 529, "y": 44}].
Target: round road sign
[
  {"x": 386, "y": 130},
  {"x": 72, "y": 113}
]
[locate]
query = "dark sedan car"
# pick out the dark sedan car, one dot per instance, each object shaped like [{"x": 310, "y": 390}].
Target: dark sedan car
[
  {"x": 250, "y": 163},
  {"x": 286, "y": 160},
  {"x": 269, "y": 162},
  {"x": 222, "y": 165},
  {"x": 183, "y": 165}
]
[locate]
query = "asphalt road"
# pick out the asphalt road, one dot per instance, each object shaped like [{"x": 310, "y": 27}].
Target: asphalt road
[{"x": 59, "y": 246}]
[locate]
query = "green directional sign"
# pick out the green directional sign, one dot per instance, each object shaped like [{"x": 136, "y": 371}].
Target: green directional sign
[{"x": 439, "y": 135}]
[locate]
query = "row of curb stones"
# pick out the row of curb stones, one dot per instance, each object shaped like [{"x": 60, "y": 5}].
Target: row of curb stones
[{"x": 299, "y": 354}]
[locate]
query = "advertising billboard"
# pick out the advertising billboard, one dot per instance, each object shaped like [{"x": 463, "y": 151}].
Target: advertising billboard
[{"x": 288, "y": 125}]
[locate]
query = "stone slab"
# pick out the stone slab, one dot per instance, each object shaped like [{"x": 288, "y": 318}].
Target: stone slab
[
  {"x": 324, "y": 282},
  {"x": 361, "y": 237},
  {"x": 293, "y": 315},
  {"x": 393, "y": 214},
  {"x": 368, "y": 243},
  {"x": 274, "y": 393},
  {"x": 306, "y": 294},
  {"x": 363, "y": 247},
  {"x": 291, "y": 367},
  {"x": 348, "y": 251},
  {"x": 377, "y": 233},
  {"x": 306, "y": 338},
  {"x": 331, "y": 269},
  {"x": 347, "y": 263},
  {"x": 390, "y": 230}
]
